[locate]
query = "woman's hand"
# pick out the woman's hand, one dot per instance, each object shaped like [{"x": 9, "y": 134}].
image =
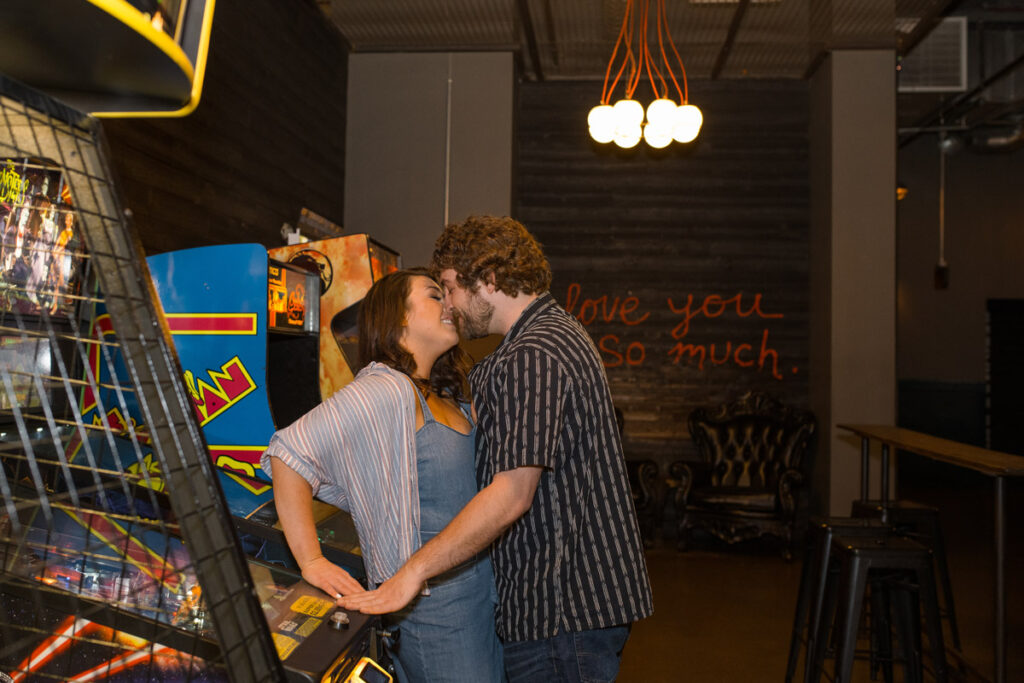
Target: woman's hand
[
  {"x": 330, "y": 578},
  {"x": 390, "y": 596}
]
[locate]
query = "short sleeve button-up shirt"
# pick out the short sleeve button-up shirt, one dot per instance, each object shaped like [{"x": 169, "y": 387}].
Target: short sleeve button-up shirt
[{"x": 575, "y": 560}]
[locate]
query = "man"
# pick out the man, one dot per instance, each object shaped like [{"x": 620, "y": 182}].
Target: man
[{"x": 554, "y": 498}]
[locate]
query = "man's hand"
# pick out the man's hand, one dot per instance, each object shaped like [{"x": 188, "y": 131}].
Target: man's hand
[
  {"x": 390, "y": 596},
  {"x": 330, "y": 578},
  {"x": 492, "y": 510}
]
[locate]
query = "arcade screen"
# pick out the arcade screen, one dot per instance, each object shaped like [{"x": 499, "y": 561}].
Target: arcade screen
[
  {"x": 293, "y": 299},
  {"x": 41, "y": 262}
]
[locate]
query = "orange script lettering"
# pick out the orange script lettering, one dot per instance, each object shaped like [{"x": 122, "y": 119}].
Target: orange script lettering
[
  {"x": 607, "y": 310},
  {"x": 713, "y": 306}
]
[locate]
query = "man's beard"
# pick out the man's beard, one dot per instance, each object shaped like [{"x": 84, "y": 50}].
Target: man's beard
[{"x": 475, "y": 321}]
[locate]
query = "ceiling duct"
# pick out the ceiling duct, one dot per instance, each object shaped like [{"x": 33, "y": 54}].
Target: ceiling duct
[
  {"x": 939, "y": 62},
  {"x": 1010, "y": 142}
]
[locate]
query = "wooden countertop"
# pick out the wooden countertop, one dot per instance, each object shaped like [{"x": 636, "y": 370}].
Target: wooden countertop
[{"x": 992, "y": 463}]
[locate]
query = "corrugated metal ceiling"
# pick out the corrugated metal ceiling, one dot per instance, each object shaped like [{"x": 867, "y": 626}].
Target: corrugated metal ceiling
[{"x": 573, "y": 39}]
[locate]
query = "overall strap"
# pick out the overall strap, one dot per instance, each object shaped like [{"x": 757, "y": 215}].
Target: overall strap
[{"x": 427, "y": 415}]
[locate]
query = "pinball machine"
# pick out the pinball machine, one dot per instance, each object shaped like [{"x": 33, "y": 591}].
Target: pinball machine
[{"x": 129, "y": 550}]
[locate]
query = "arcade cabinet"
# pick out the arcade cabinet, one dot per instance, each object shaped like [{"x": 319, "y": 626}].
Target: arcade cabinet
[
  {"x": 99, "y": 571},
  {"x": 347, "y": 266},
  {"x": 119, "y": 555},
  {"x": 252, "y": 331}
]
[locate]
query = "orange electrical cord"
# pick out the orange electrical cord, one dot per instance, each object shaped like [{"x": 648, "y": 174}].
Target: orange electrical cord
[{"x": 645, "y": 59}]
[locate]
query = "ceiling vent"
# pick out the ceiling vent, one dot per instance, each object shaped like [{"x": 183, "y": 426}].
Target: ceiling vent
[{"x": 939, "y": 62}]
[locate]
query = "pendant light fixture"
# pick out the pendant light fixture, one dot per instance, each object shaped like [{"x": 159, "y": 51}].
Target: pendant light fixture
[{"x": 624, "y": 122}]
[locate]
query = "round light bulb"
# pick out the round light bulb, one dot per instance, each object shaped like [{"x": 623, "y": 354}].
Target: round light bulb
[
  {"x": 628, "y": 113},
  {"x": 627, "y": 136},
  {"x": 657, "y": 136},
  {"x": 601, "y": 120},
  {"x": 688, "y": 123},
  {"x": 662, "y": 112},
  {"x": 602, "y": 135}
]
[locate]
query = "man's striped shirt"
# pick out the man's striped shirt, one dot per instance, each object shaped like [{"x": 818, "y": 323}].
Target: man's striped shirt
[{"x": 574, "y": 561}]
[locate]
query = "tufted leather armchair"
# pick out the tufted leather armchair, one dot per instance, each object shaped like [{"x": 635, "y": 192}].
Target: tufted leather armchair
[{"x": 753, "y": 453}]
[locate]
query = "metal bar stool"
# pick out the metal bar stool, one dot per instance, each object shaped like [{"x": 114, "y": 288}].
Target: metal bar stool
[
  {"x": 864, "y": 558},
  {"x": 921, "y": 523},
  {"x": 813, "y": 576}
]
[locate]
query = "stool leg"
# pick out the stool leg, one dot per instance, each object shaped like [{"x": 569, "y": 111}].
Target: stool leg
[
  {"x": 822, "y": 615},
  {"x": 852, "y": 584},
  {"x": 933, "y": 623},
  {"x": 939, "y": 550},
  {"x": 908, "y": 626},
  {"x": 881, "y": 631},
  {"x": 817, "y": 635},
  {"x": 803, "y": 598}
]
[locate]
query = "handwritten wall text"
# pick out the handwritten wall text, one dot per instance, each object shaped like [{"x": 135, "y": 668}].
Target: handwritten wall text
[{"x": 754, "y": 353}]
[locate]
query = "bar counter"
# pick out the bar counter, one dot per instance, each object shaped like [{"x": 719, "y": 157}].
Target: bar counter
[{"x": 994, "y": 464}]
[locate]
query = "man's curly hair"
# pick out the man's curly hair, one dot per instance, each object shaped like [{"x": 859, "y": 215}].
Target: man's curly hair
[{"x": 483, "y": 247}]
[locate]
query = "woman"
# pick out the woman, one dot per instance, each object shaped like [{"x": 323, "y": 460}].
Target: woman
[{"x": 396, "y": 448}]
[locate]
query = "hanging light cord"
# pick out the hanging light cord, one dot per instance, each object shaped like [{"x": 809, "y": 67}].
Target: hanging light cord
[
  {"x": 942, "y": 200},
  {"x": 684, "y": 94},
  {"x": 644, "y": 53},
  {"x": 641, "y": 59},
  {"x": 626, "y": 30}
]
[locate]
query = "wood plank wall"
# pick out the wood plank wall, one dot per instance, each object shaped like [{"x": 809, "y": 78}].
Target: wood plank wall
[
  {"x": 267, "y": 139},
  {"x": 689, "y": 267}
]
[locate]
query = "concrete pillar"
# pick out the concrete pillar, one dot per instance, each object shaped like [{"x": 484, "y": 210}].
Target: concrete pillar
[
  {"x": 429, "y": 141},
  {"x": 853, "y": 262}
]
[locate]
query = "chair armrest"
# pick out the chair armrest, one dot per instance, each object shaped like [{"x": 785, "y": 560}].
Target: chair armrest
[
  {"x": 687, "y": 473},
  {"x": 643, "y": 477},
  {"x": 790, "y": 481}
]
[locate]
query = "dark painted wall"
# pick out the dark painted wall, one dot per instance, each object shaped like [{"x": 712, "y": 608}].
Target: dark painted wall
[
  {"x": 267, "y": 139},
  {"x": 941, "y": 358},
  {"x": 715, "y": 233}
]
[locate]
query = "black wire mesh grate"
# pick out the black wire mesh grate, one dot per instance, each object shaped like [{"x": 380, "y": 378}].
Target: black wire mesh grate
[{"x": 118, "y": 558}]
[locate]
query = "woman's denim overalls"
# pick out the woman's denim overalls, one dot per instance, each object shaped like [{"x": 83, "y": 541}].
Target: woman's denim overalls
[{"x": 448, "y": 636}]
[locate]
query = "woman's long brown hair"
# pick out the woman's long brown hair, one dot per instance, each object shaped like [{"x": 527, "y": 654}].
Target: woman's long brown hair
[{"x": 382, "y": 316}]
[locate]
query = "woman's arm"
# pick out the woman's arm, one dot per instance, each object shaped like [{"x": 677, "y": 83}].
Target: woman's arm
[
  {"x": 492, "y": 510},
  {"x": 293, "y": 498}
]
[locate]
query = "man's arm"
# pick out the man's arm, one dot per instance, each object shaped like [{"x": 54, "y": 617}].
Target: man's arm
[
  {"x": 293, "y": 498},
  {"x": 494, "y": 509}
]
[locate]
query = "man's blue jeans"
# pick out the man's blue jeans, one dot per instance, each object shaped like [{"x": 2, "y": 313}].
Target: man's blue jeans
[{"x": 581, "y": 657}]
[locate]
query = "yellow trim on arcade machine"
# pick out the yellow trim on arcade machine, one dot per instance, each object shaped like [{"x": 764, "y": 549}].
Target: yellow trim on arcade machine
[
  {"x": 107, "y": 57},
  {"x": 365, "y": 671},
  {"x": 136, "y": 20}
]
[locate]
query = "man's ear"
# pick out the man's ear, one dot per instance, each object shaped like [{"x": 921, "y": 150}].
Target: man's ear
[{"x": 488, "y": 282}]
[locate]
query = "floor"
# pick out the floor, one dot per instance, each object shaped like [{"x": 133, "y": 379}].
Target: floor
[{"x": 725, "y": 614}]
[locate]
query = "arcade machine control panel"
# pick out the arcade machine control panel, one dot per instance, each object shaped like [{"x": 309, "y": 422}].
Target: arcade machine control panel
[{"x": 316, "y": 640}]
